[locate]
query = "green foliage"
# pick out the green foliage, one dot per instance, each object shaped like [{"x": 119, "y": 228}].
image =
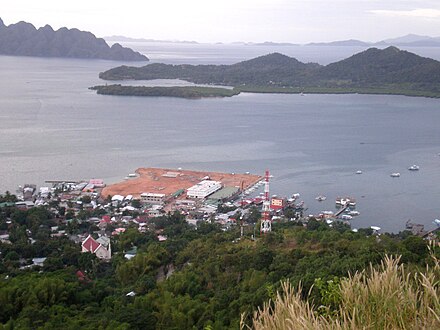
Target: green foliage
[
  {"x": 142, "y": 264},
  {"x": 187, "y": 92},
  {"x": 195, "y": 279},
  {"x": 8, "y": 197}
]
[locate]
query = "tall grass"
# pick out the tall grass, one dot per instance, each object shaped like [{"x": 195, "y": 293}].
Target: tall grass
[{"x": 387, "y": 297}]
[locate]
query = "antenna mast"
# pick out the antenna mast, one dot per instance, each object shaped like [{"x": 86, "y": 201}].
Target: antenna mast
[{"x": 266, "y": 222}]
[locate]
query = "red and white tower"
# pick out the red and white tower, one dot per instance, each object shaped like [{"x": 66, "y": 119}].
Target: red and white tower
[{"x": 266, "y": 222}]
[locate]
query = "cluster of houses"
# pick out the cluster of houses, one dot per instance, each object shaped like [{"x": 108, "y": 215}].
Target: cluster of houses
[{"x": 112, "y": 216}]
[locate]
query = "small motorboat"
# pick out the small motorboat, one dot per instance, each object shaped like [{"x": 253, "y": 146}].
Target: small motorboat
[
  {"x": 395, "y": 175},
  {"x": 320, "y": 198},
  {"x": 414, "y": 168}
]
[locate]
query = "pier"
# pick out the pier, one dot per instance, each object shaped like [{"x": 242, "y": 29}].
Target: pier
[{"x": 341, "y": 210}]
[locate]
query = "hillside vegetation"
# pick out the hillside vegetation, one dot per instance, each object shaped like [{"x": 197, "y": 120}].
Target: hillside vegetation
[
  {"x": 386, "y": 297},
  {"x": 200, "y": 278}
]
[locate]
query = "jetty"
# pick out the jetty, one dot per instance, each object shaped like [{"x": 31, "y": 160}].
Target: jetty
[{"x": 341, "y": 210}]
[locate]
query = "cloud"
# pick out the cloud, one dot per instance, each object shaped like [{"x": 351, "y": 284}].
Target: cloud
[{"x": 416, "y": 13}]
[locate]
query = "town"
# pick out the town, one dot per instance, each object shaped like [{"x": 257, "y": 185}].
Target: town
[{"x": 90, "y": 212}]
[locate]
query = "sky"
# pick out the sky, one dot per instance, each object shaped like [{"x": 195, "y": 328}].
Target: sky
[{"x": 234, "y": 20}]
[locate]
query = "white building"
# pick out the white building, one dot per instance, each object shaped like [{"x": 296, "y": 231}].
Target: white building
[
  {"x": 203, "y": 189},
  {"x": 153, "y": 198}
]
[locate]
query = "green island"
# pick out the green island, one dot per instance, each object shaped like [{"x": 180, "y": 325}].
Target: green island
[
  {"x": 374, "y": 71},
  {"x": 188, "y": 92}
]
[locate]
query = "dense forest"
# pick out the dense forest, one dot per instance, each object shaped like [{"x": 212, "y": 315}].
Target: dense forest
[
  {"x": 199, "y": 278},
  {"x": 388, "y": 70}
]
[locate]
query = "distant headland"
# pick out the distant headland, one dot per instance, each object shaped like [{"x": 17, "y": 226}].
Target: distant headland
[
  {"x": 373, "y": 71},
  {"x": 23, "y": 39}
]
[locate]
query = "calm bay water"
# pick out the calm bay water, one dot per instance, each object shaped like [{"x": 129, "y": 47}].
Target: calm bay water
[{"x": 53, "y": 127}]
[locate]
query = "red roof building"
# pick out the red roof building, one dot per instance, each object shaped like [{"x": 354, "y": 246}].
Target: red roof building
[{"x": 100, "y": 247}]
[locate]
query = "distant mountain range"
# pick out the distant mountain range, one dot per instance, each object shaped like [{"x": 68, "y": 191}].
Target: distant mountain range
[
  {"x": 128, "y": 39},
  {"x": 23, "y": 39},
  {"x": 410, "y": 40},
  {"x": 388, "y": 70}
]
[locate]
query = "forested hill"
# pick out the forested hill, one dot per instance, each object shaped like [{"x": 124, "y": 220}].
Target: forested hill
[
  {"x": 23, "y": 39},
  {"x": 265, "y": 70},
  {"x": 389, "y": 69},
  {"x": 389, "y": 65}
]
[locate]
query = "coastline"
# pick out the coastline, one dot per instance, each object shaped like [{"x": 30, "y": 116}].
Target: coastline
[{"x": 198, "y": 92}]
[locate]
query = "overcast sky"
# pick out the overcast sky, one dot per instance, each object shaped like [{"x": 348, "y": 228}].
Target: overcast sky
[{"x": 234, "y": 20}]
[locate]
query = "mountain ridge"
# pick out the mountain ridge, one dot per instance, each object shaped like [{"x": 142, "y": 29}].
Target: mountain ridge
[{"x": 23, "y": 39}]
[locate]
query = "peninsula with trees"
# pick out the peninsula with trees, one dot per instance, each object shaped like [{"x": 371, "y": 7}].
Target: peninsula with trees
[
  {"x": 23, "y": 39},
  {"x": 373, "y": 71}
]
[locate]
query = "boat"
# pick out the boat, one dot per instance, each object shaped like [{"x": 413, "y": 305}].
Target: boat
[
  {"x": 354, "y": 213},
  {"x": 320, "y": 198},
  {"x": 346, "y": 217},
  {"x": 359, "y": 172},
  {"x": 414, "y": 168},
  {"x": 328, "y": 213},
  {"x": 395, "y": 175},
  {"x": 344, "y": 201},
  {"x": 375, "y": 228}
]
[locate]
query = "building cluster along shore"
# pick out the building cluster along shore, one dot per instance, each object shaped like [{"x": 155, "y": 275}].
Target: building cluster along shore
[{"x": 226, "y": 199}]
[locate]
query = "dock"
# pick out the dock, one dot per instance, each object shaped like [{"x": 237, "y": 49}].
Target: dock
[{"x": 341, "y": 210}]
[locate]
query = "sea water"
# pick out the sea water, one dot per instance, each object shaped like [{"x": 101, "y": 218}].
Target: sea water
[{"x": 52, "y": 127}]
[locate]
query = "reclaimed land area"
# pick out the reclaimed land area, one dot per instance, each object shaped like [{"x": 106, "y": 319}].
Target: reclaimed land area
[
  {"x": 169, "y": 181},
  {"x": 187, "y": 92},
  {"x": 374, "y": 71}
]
